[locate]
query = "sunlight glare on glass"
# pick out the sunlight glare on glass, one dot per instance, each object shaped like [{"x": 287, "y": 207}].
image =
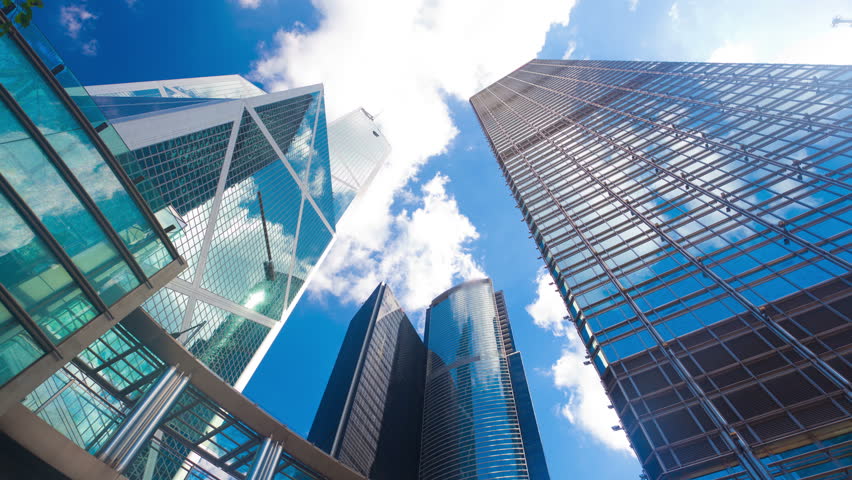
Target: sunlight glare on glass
[{"x": 255, "y": 299}]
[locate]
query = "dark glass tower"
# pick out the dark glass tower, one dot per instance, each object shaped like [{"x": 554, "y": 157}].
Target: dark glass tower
[
  {"x": 696, "y": 220},
  {"x": 369, "y": 415},
  {"x": 478, "y": 420}
]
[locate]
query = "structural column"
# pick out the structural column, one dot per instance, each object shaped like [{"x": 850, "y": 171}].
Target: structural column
[
  {"x": 144, "y": 419},
  {"x": 266, "y": 460}
]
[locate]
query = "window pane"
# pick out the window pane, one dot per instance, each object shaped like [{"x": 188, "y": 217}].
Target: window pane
[
  {"x": 17, "y": 348},
  {"x": 25, "y": 166},
  {"x": 37, "y": 281}
]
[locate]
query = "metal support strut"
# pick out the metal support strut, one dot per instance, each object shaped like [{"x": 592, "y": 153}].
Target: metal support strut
[
  {"x": 266, "y": 460},
  {"x": 144, "y": 419}
]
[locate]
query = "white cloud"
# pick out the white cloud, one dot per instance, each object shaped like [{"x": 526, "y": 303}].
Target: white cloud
[
  {"x": 674, "y": 13},
  {"x": 632, "y": 5},
  {"x": 752, "y": 36},
  {"x": 733, "y": 53},
  {"x": 548, "y": 311},
  {"x": 74, "y": 18},
  {"x": 249, "y": 3},
  {"x": 425, "y": 253},
  {"x": 586, "y": 405},
  {"x": 90, "y": 48},
  {"x": 402, "y": 60},
  {"x": 828, "y": 47},
  {"x": 572, "y": 45}
]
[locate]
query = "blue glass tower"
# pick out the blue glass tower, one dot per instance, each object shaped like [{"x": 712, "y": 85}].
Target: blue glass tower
[
  {"x": 695, "y": 218},
  {"x": 478, "y": 420}
]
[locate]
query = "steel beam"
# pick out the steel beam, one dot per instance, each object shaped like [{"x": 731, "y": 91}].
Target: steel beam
[{"x": 144, "y": 328}]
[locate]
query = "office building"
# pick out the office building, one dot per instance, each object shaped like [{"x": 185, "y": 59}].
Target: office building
[
  {"x": 106, "y": 226},
  {"x": 369, "y": 415},
  {"x": 455, "y": 407},
  {"x": 478, "y": 420},
  {"x": 695, "y": 219},
  {"x": 252, "y": 186}
]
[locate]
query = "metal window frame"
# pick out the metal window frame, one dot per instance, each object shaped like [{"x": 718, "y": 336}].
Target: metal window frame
[
  {"x": 73, "y": 183},
  {"x": 98, "y": 142},
  {"x": 39, "y": 371}
]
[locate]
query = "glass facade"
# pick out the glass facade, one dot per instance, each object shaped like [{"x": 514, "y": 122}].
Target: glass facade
[
  {"x": 696, "y": 220},
  {"x": 75, "y": 238},
  {"x": 471, "y": 428},
  {"x": 369, "y": 416},
  {"x": 356, "y": 146},
  {"x": 243, "y": 182},
  {"x": 97, "y": 210},
  {"x": 89, "y": 398}
]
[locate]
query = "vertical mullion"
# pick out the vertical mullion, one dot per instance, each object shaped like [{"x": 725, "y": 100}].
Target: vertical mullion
[
  {"x": 75, "y": 185},
  {"x": 44, "y": 234},
  {"x": 27, "y": 321},
  {"x": 102, "y": 148}
]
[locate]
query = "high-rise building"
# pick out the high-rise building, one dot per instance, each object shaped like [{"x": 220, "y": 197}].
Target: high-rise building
[
  {"x": 478, "y": 420},
  {"x": 369, "y": 416},
  {"x": 207, "y": 208},
  {"x": 696, "y": 220},
  {"x": 252, "y": 186},
  {"x": 457, "y": 407}
]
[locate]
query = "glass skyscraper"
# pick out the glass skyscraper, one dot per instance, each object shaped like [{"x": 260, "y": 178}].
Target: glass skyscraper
[
  {"x": 696, "y": 220},
  {"x": 369, "y": 416},
  {"x": 252, "y": 188},
  {"x": 455, "y": 408},
  {"x": 154, "y": 239},
  {"x": 478, "y": 420}
]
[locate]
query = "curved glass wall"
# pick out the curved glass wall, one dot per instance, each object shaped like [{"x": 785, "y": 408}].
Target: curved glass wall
[{"x": 470, "y": 423}]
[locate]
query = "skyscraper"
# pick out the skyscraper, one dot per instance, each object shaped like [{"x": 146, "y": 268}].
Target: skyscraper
[
  {"x": 478, "y": 420},
  {"x": 91, "y": 386},
  {"x": 369, "y": 416},
  {"x": 253, "y": 188},
  {"x": 455, "y": 408},
  {"x": 695, "y": 219}
]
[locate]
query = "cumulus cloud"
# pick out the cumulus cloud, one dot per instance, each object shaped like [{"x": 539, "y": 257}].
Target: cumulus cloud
[
  {"x": 548, "y": 311},
  {"x": 756, "y": 37},
  {"x": 632, "y": 5},
  {"x": 586, "y": 403},
  {"x": 733, "y": 53},
  {"x": 404, "y": 60},
  {"x": 74, "y": 18},
  {"x": 425, "y": 253}
]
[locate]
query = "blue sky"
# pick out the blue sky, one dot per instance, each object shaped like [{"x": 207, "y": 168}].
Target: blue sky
[{"x": 439, "y": 212}]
